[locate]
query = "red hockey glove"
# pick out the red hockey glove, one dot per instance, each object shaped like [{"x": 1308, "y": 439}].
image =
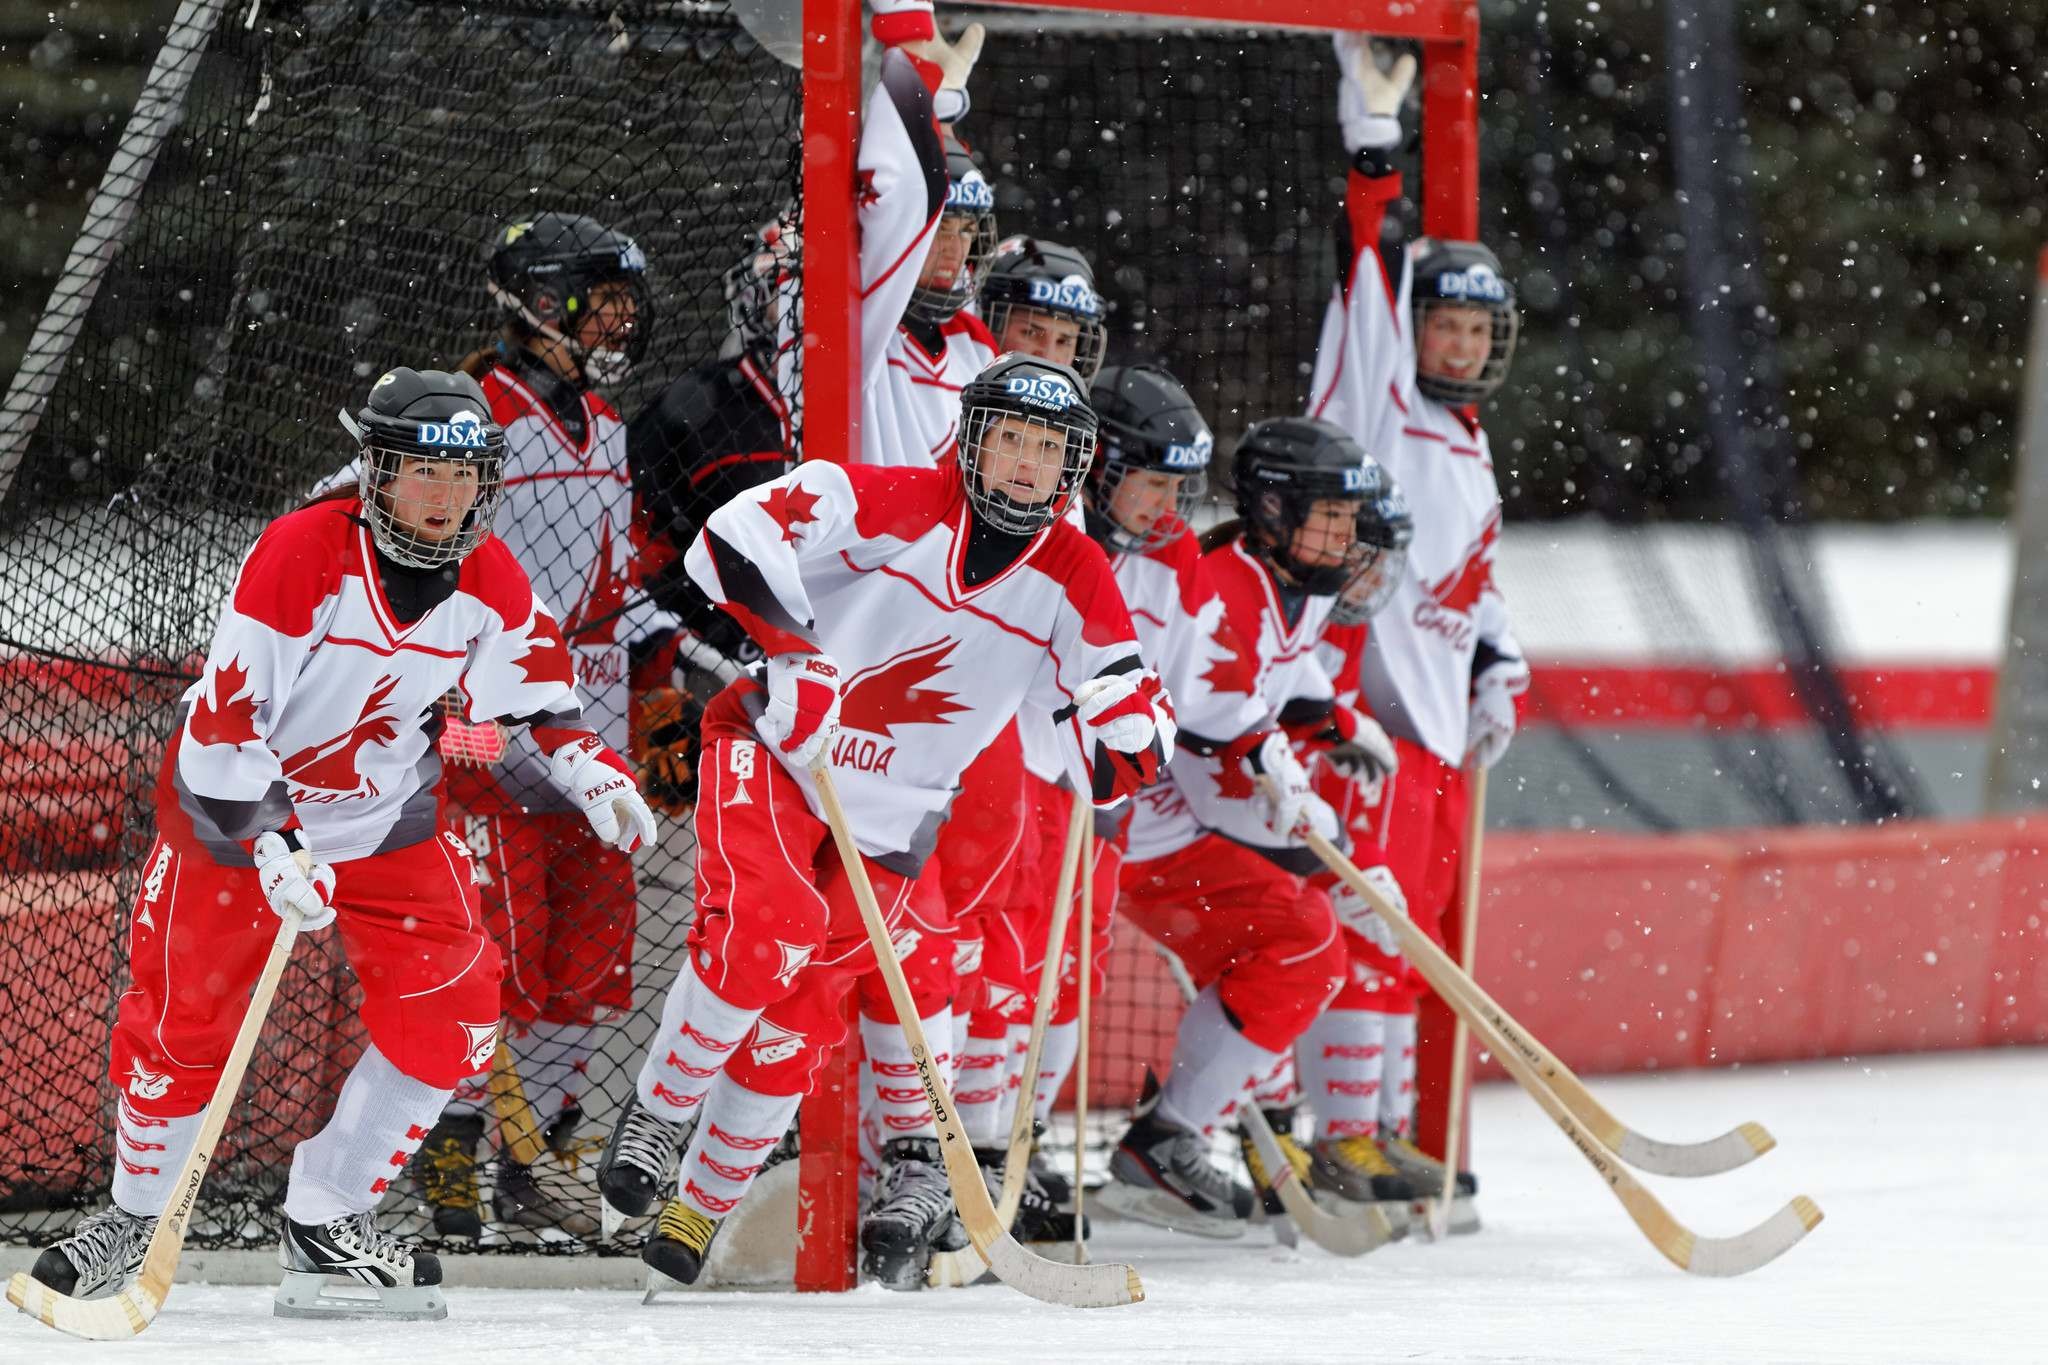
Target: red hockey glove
[
  {"x": 802, "y": 716},
  {"x": 1130, "y": 718}
]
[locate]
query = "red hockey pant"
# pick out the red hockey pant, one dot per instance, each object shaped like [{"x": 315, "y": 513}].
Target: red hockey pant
[
  {"x": 560, "y": 905},
  {"x": 410, "y": 926},
  {"x": 1267, "y": 937},
  {"x": 777, "y": 925}
]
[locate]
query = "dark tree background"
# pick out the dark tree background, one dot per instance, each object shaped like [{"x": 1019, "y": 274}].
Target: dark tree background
[{"x": 1897, "y": 163}]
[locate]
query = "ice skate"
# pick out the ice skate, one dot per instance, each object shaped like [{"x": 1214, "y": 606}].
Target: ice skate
[
  {"x": 1281, "y": 1121},
  {"x": 1161, "y": 1174},
  {"x": 523, "y": 1201},
  {"x": 447, "y": 1170},
  {"x": 349, "y": 1268},
  {"x": 100, "y": 1256},
  {"x": 1057, "y": 1184},
  {"x": 638, "y": 1165},
  {"x": 910, "y": 1217},
  {"x": 679, "y": 1245},
  {"x": 1038, "y": 1218},
  {"x": 1426, "y": 1174}
]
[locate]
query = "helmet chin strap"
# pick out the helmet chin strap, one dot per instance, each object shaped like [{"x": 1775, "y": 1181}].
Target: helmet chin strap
[{"x": 598, "y": 368}]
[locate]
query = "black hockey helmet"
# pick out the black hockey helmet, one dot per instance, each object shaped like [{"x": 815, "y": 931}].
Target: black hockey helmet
[
  {"x": 1041, "y": 276},
  {"x": 1009, "y": 414},
  {"x": 968, "y": 195},
  {"x": 1386, "y": 526},
  {"x": 763, "y": 282},
  {"x": 1148, "y": 425},
  {"x": 544, "y": 272},
  {"x": 426, "y": 415},
  {"x": 1465, "y": 274},
  {"x": 1283, "y": 467}
]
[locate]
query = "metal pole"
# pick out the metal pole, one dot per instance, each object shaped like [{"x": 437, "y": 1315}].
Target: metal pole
[{"x": 2019, "y": 724}]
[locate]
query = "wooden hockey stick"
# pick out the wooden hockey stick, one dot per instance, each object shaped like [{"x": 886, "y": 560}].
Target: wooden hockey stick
[
  {"x": 1468, "y": 953},
  {"x": 1080, "y": 1286},
  {"x": 1681, "y": 1246},
  {"x": 1339, "y": 1236},
  {"x": 125, "y": 1314},
  {"x": 1084, "y": 966},
  {"x": 518, "y": 1132},
  {"x": 1017, "y": 1161}
]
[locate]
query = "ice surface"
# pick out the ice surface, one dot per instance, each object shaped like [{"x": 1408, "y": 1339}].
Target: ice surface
[{"x": 1929, "y": 1168}]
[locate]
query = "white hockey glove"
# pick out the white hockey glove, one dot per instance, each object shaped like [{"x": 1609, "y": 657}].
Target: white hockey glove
[
  {"x": 802, "y": 717},
  {"x": 1490, "y": 725},
  {"x": 1368, "y": 99},
  {"x": 896, "y": 22},
  {"x": 292, "y": 879},
  {"x": 1355, "y": 914},
  {"x": 1365, "y": 754},
  {"x": 601, "y": 785},
  {"x": 1284, "y": 791},
  {"x": 955, "y": 61}
]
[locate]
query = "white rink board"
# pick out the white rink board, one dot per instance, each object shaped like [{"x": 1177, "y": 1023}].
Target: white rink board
[{"x": 1930, "y": 1169}]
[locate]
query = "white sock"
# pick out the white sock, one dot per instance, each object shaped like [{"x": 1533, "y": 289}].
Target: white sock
[
  {"x": 1278, "y": 1088},
  {"x": 1018, "y": 1042},
  {"x": 148, "y": 1154},
  {"x": 984, "y": 1077},
  {"x": 552, "y": 1059},
  {"x": 380, "y": 1120},
  {"x": 698, "y": 1033},
  {"x": 894, "y": 1091},
  {"x": 1213, "y": 1066},
  {"x": 1055, "y": 1062},
  {"x": 1397, "y": 1077},
  {"x": 738, "y": 1131},
  {"x": 1340, "y": 1060}
]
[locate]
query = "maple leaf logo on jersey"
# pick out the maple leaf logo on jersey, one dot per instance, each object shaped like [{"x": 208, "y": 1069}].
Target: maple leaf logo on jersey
[
  {"x": 868, "y": 193},
  {"x": 791, "y": 507},
  {"x": 596, "y": 619},
  {"x": 546, "y": 659},
  {"x": 229, "y": 718},
  {"x": 1237, "y": 668},
  {"x": 887, "y": 695},
  {"x": 330, "y": 765}
]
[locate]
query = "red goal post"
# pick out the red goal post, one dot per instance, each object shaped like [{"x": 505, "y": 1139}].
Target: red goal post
[{"x": 1448, "y": 32}]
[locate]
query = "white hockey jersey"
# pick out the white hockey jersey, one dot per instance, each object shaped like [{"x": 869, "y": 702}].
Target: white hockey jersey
[
  {"x": 1244, "y": 655},
  {"x": 910, "y": 396},
  {"x": 866, "y": 565},
  {"x": 1418, "y": 662},
  {"x": 318, "y": 706}
]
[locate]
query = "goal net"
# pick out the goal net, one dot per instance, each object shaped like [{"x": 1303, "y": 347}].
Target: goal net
[{"x": 319, "y": 211}]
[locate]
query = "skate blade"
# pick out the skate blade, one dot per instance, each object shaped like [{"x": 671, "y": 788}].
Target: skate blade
[
  {"x": 1163, "y": 1210},
  {"x": 303, "y": 1295}
]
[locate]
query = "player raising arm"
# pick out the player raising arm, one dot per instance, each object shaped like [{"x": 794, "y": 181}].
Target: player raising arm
[
  {"x": 905, "y": 615},
  {"x": 302, "y": 777}
]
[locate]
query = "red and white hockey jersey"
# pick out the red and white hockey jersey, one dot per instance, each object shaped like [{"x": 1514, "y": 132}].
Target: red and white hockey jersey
[
  {"x": 1418, "y": 664},
  {"x": 567, "y": 517},
  {"x": 317, "y": 701},
  {"x": 1248, "y": 654},
  {"x": 910, "y": 396},
  {"x": 866, "y": 565}
]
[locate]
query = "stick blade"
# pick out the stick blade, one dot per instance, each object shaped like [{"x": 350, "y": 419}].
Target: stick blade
[
  {"x": 115, "y": 1318},
  {"x": 1762, "y": 1244},
  {"x": 1339, "y": 1236},
  {"x": 1103, "y": 1284},
  {"x": 1736, "y": 1147}
]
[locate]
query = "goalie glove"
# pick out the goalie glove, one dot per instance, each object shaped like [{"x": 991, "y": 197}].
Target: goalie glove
[
  {"x": 955, "y": 61},
  {"x": 599, "y": 783},
  {"x": 1129, "y": 718},
  {"x": 802, "y": 716},
  {"x": 665, "y": 738},
  {"x": 292, "y": 879},
  {"x": 1368, "y": 99},
  {"x": 1284, "y": 792},
  {"x": 1356, "y": 914}
]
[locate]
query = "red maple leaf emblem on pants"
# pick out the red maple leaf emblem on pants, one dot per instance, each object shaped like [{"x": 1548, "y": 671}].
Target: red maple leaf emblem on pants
[{"x": 229, "y": 717}]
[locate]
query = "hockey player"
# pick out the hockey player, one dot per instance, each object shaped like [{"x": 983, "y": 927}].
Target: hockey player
[
  {"x": 905, "y": 615},
  {"x": 1410, "y": 344},
  {"x": 302, "y": 777},
  {"x": 1217, "y": 866},
  {"x": 575, "y": 312},
  {"x": 1039, "y": 299}
]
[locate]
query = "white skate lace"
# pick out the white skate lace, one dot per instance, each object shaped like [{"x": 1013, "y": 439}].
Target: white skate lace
[
  {"x": 360, "y": 1233},
  {"x": 912, "y": 1190},
  {"x": 108, "y": 1234},
  {"x": 648, "y": 1143}
]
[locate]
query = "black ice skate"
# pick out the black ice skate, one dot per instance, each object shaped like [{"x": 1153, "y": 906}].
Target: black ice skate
[
  {"x": 349, "y": 1268},
  {"x": 1426, "y": 1174},
  {"x": 523, "y": 1201},
  {"x": 1057, "y": 1184},
  {"x": 638, "y": 1165},
  {"x": 447, "y": 1171},
  {"x": 1038, "y": 1218},
  {"x": 560, "y": 1132},
  {"x": 680, "y": 1244},
  {"x": 1161, "y": 1174},
  {"x": 100, "y": 1256},
  {"x": 910, "y": 1217}
]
